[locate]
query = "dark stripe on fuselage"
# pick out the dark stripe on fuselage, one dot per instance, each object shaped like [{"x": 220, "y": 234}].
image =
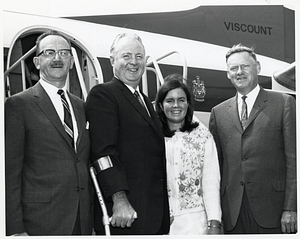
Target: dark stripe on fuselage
[{"x": 218, "y": 25}]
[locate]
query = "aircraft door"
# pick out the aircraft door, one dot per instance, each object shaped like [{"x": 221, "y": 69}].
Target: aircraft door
[{"x": 22, "y": 74}]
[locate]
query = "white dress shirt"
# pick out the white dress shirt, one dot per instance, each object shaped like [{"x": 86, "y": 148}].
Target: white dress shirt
[
  {"x": 51, "y": 90},
  {"x": 250, "y": 100}
]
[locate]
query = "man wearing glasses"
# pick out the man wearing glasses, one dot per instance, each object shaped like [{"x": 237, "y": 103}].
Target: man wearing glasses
[{"x": 48, "y": 189}]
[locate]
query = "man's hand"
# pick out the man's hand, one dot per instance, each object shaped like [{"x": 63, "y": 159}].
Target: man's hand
[
  {"x": 289, "y": 222},
  {"x": 123, "y": 212}
]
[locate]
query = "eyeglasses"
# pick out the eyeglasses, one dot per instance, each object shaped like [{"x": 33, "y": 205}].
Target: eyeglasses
[
  {"x": 244, "y": 67},
  {"x": 49, "y": 53}
]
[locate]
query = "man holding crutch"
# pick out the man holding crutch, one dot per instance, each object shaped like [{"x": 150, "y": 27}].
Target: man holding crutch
[{"x": 127, "y": 146}]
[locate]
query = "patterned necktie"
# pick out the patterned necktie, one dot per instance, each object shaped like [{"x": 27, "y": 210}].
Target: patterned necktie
[
  {"x": 68, "y": 125},
  {"x": 137, "y": 95},
  {"x": 244, "y": 113}
]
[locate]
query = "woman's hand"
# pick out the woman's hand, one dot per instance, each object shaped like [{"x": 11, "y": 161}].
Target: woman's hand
[{"x": 214, "y": 227}]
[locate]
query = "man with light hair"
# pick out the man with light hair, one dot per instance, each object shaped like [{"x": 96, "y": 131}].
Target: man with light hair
[{"x": 127, "y": 146}]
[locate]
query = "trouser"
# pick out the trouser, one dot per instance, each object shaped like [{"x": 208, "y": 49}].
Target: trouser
[
  {"x": 77, "y": 229},
  {"x": 246, "y": 223}
]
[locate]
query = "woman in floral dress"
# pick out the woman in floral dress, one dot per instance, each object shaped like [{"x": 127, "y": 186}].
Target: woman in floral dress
[{"x": 192, "y": 163}]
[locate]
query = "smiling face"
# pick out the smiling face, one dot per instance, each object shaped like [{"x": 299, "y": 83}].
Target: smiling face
[
  {"x": 175, "y": 107},
  {"x": 242, "y": 70},
  {"x": 128, "y": 61},
  {"x": 54, "y": 69}
]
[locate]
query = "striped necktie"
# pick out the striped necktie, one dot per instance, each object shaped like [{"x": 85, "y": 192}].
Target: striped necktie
[
  {"x": 68, "y": 125},
  {"x": 244, "y": 112},
  {"x": 137, "y": 95}
]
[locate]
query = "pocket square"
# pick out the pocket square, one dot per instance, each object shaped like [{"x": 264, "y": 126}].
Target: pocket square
[{"x": 87, "y": 125}]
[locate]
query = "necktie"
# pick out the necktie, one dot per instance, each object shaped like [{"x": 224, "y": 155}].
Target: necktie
[
  {"x": 244, "y": 113},
  {"x": 68, "y": 125},
  {"x": 137, "y": 95}
]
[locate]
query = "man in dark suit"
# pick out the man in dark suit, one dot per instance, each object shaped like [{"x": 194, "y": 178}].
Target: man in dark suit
[
  {"x": 48, "y": 187},
  {"x": 256, "y": 140},
  {"x": 127, "y": 146}
]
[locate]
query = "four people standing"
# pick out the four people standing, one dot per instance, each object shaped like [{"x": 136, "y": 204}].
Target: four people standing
[
  {"x": 255, "y": 133},
  {"x": 48, "y": 187}
]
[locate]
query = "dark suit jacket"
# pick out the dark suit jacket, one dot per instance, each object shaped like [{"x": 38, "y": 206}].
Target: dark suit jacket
[
  {"x": 46, "y": 180},
  {"x": 261, "y": 159},
  {"x": 120, "y": 127}
]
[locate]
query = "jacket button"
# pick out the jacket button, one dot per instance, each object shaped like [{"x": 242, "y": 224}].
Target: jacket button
[
  {"x": 244, "y": 158},
  {"x": 242, "y": 183},
  {"x": 77, "y": 188}
]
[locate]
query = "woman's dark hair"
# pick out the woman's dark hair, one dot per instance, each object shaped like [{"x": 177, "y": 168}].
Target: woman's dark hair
[{"x": 172, "y": 82}]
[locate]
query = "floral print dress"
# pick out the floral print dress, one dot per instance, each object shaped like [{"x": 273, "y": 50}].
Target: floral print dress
[{"x": 193, "y": 180}]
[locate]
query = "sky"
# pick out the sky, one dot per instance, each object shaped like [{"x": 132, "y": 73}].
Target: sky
[{"x": 64, "y": 8}]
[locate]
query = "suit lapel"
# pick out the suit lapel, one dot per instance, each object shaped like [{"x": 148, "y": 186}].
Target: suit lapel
[
  {"x": 130, "y": 97},
  {"x": 45, "y": 104},
  {"x": 234, "y": 113},
  {"x": 78, "y": 117},
  {"x": 259, "y": 104},
  {"x": 153, "y": 120}
]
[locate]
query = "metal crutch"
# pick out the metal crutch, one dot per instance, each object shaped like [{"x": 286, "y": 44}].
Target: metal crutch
[{"x": 101, "y": 201}]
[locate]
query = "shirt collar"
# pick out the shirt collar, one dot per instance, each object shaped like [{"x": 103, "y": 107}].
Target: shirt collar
[
  {"x": 132, "y": 90},
  {"x": 252, "y": 94},
  {"x": 51, "y": 89}
]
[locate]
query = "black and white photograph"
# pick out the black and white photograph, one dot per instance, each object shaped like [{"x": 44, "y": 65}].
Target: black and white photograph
[{"x": 150, "y": 119}]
